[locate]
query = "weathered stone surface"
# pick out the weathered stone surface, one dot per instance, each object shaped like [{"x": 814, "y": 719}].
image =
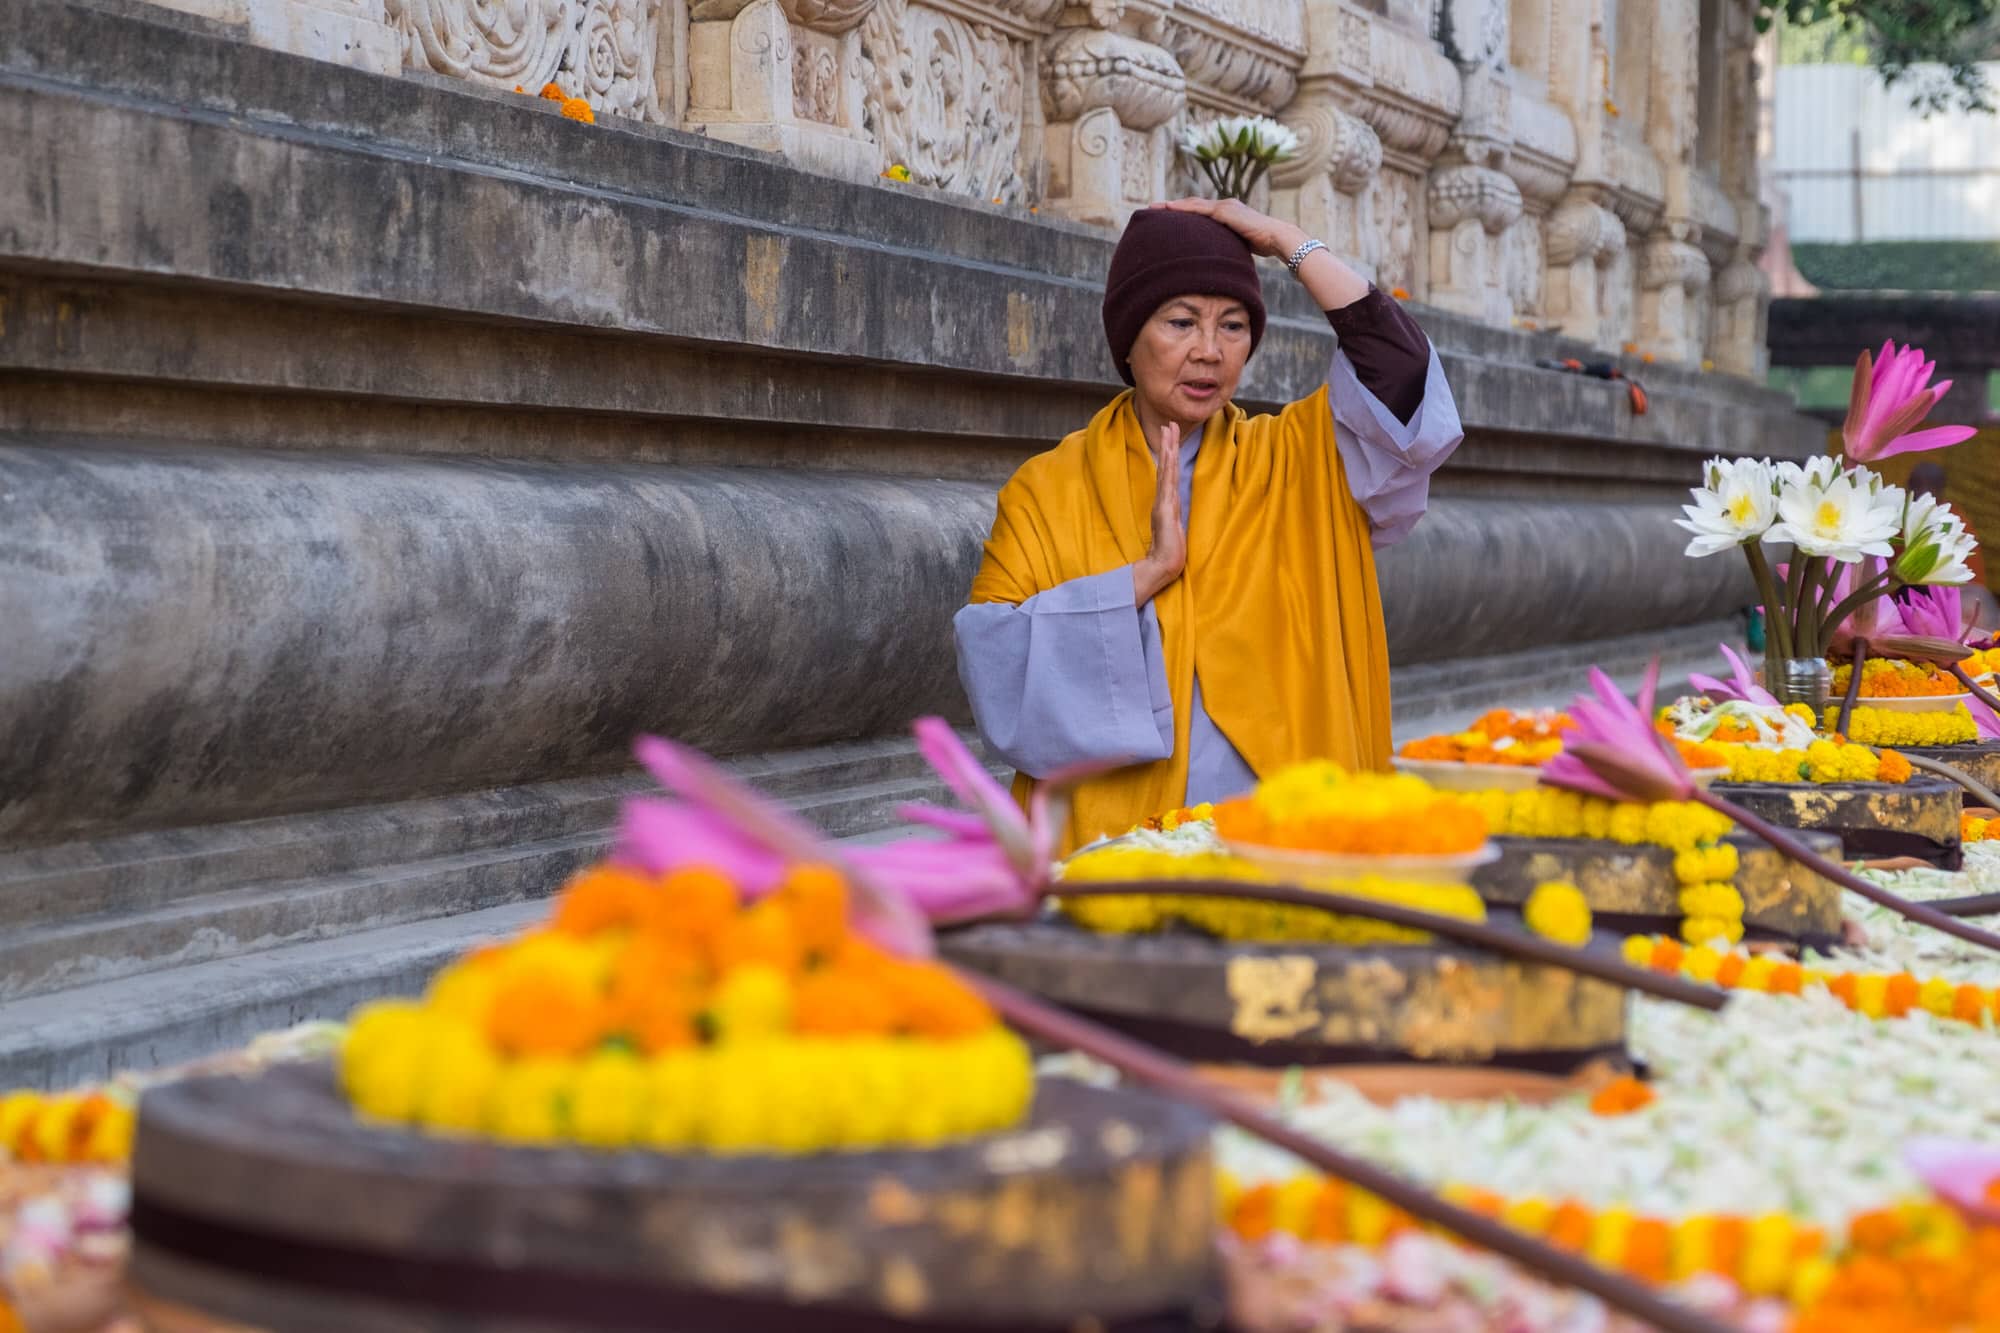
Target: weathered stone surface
[
  {"x": 1097, "y": 1207},
  {"x": 1914, "y": 818},
  {"x": 1636, "y": 887},
  {"x": 1307, "y": 1003}
]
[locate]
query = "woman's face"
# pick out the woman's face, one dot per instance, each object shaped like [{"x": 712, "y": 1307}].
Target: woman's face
[{"x": 1189, "y": 355}]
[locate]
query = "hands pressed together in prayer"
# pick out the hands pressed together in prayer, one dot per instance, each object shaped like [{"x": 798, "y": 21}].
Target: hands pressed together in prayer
[{"x": 1166, "y": 556}]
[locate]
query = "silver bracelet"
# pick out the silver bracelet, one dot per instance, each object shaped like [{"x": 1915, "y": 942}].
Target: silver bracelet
[{"x": 1299, "y": 255}]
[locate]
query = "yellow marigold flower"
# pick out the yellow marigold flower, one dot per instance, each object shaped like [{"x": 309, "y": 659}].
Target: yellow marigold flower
[
  {"x": 1296, "y": 1197},
  {"x": 1608, "y": 1234},
  {"x": 1767, "y": 1255},
  {"x": 1809, "y": 1280},
  {"x": 1757, "y": 973},
  {"x": 1701, "y": 962},
  {"x": 676, "y": 1084},
  {"x": 1693, "y": 1247},
  {"x": 384, "y": 1059},
  {"x": 1559, "y": 912},
  {"x": 1530, "y": 1215},
  {"x": 1367, "y": 1218},
  {"x": 1628, "y": 824},
  {"x": 531, "y": 1098},
  {"x": 753, "y": 1001},
  {"x": 608, "y": 1104},
  {"x": 458, "y": 1085},
  {"x": 1871, "y": 994},
  {"x": 1716, "y": 900},
  {"x": 110, "y": 1139},
  {"x": 464, "y": 989},
  {"x": 1637, "y": 950},
  {"x": 16, "y": 1110},
  {"x": 1936, "y": 995}
]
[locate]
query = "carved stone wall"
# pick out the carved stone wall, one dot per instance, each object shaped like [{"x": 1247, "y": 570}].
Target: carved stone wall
[{"x": 1549, "y": 163}]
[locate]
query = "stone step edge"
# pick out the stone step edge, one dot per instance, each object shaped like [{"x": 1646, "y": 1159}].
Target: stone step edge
[{"x": 98, "y": 947}]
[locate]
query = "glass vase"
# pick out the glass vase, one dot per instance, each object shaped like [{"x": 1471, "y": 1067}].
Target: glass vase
[{"x": 1804, "y": 680}]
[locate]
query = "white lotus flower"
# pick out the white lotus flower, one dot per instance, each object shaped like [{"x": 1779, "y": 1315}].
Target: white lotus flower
[
  {"x": 1738, "y": 505},
  {"x": 1936, "y": 545},
  {"x": 1818, "y": 474},
  {"x": 1852, "y": 516},
  {"x": 1258, "y": 138}
]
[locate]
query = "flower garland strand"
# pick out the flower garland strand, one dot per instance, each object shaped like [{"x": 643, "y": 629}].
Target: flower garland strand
[{"x": 1874, "y": 994}]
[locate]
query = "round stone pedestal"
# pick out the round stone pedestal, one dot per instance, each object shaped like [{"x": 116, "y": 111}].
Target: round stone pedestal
[
  {"x": 1309, "y": 1004},
  {"x": 263, "y": 1202},
  {"x": 1632, "y": 889},
  {"x": 1874, "y": 819}
]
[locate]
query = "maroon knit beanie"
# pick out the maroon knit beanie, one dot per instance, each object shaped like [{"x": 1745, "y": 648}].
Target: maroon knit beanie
[{"x": 1165, "y": 253}]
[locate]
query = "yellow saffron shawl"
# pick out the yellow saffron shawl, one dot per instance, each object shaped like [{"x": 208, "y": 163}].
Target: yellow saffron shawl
[{"x": 1278, "y": 606}]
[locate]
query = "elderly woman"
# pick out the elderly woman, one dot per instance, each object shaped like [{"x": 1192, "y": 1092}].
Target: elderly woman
[{"x": 1187, "y": 590}]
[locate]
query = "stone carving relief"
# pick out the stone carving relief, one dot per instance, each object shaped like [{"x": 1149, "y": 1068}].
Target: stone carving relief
[
  {"x": 1391, "y": 248},
  {"x": 1470, "y": 208},
  {"x": 1585, "y": 242},
  {"x": 1326, "y": 188},
  {"x": 944, "y": 98},
  {"x": 1108, "y": 96},
  {"x": 815, "y": 81},
  {"x": 1239, "y": 54},
  {"x": 605, "y": 51},
  {"x": 1673, "y": 285}
]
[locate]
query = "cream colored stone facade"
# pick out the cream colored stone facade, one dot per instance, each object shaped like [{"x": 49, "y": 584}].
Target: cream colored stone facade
[{"x": 1582, "y": 165}]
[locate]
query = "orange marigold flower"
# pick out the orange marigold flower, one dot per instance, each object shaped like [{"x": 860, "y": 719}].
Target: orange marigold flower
[
  {"x": 1569, "y": 1226},
  {"x": 1726, "y": 1240},
  {"x": 1844, "y": 986},
  {"x": 816, "y": 896},
  {"x": 1787, "y": 979},
  {"x": 932, "y": 1002},
  {"x": 545, "y": 1012},
  {"x": 1622, "y": 1096},
  {"x": 1327, "y": 1223},
  {"x": 1968, "y": 1003},
  {"x": 696, "y": 903},
  {"x": 604, "y": 897},
  {"x": 766, "y": 934},
  {"x": 1901, "y": 994},
  {"x": 1992, "y": 1191},
  {"x": 843, "y": 1002},
  {"x": 1400, "y": 293},
  {"x": 1256, "y": 1212},
  {"x": 1876, "y": 1231},
  {"x": 554, "y": 93},
  {"x": 1730, "y": 970},
  {"x": 1667, "y": 955},
  {"x": 575, "y": 108},
  {"x": 1649, "y": 1249},
  {"x": 1894, "y": 767}
]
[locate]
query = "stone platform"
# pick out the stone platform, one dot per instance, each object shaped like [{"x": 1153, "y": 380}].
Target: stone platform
[{"x": 379, "y": 455}]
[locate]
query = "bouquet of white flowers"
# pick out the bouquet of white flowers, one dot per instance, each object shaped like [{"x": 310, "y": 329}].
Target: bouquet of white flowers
[
  {"x": 1854, "y": 537},
  {"x": 1235, "y": 151}
]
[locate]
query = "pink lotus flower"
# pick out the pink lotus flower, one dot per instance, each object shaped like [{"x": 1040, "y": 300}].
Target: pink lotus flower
[
  {"x": 1614, "y": 752},
  {"x": 1936, "y": 612},
  {"x": 1961, "y": 1173},
  {"x": 1741, "y": 687},
  {"x": 723, "y": 824},
  {"x": 1889, "y": 399}
]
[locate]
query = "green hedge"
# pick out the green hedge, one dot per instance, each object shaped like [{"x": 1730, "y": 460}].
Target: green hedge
[{"x": 1901, "y": 266}]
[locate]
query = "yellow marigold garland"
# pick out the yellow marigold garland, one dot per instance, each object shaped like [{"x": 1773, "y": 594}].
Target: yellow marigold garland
[
  {"x": 1893, "y": 678},
  {"x": 1977, "y": 828},
  {"x": 1882, "y": 726},
  {"x": 66, "y": 1128},
  {"x": 1705, "y": 867},
  {"x": 1822, "y": 761},
  {"x": 1773, "y": 1255},
  {"x": 1875, "y": 994},
  {"x": 1321, "y": 807},
  {"x": 1242, "y": 918}
]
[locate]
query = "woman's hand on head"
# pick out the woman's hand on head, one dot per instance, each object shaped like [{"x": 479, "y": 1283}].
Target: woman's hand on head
[
  {"x": 1166, "y": 557},
  {"x": 1265, "y": 235}
]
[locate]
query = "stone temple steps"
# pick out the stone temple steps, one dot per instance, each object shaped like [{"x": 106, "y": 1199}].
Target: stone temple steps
[{"x": 163, "y": 946}]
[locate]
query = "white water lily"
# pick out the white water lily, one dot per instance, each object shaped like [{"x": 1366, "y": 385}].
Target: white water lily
[
  {"x": 1818, "y": 473},
  {"x": 1936, "y": 545},
  {"x": 1852, "y": 516},
  {"x": 1737, "y": 505},
  {"x": 1255, "y": 137}
]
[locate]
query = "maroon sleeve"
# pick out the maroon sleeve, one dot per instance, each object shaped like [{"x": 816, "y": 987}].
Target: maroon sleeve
[{"x": 1391, "y": 355}]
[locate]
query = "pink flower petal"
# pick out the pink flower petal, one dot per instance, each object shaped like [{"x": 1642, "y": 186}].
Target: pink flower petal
[{"x": 1934, "y": 437}]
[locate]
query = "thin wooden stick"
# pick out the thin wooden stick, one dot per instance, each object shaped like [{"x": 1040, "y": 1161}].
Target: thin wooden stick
[
  {"x": 1853, "y": 686},
  {"x": 1146, "y": 1065},
  {"x": 1978, "y": 904},
  {"x": 1847, "y": 879},
  {"x": 1514, "y": 944},
  {"x": 1979, "y": 790}
]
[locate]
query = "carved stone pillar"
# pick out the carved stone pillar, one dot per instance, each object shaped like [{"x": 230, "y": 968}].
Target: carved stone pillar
[
  {"x": 1405, "y": 92},
  {"x": 1326, "y": 189},
  {"x": 604, "y": 51},
  {"x": 1742, "y": 293},
  {"x": 785, "y": 77},
  {"x": 1470, "y": 207},
  {"x": 1674, "y": 270},
  {"x": 1585, "y": 244},
  {"x": 1673, "y": 292},
  {"x": 1108, "y": 95}
]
